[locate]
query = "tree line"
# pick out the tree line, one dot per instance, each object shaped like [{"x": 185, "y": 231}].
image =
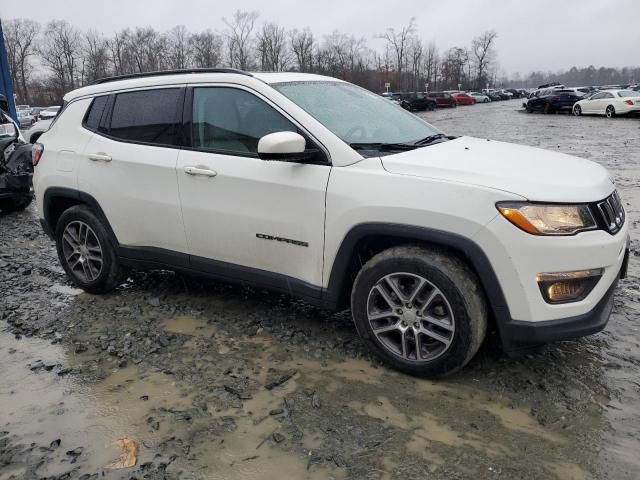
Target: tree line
[{"x": 46, "y": 61}]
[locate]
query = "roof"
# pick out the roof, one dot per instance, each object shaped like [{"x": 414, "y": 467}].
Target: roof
[{"x": 191, "y": 76}]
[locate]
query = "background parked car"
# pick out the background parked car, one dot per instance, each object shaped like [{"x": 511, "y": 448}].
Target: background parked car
[
  {"x": 25, "y": 120},
  {"x": 416, "y": 101},
  {"x": 551, "y": 100},
  {"x": 463, "y": 99},
  {"x": 494, "y": 96},
  {"x": 442, "y": 99},
  {"x": 35, "y": 112},
  {"x": 49, "y": 112},
  {"x": 609, "y": 103},
  {"x": 479, "y": 97}
]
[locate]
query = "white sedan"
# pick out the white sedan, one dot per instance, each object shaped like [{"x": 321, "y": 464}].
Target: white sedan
[
  {"x": 609, "y": 103},
  {"x": 479, "y": 97}
]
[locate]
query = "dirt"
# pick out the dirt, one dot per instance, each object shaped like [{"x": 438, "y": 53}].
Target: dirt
[{"x": 220, "y": 382}]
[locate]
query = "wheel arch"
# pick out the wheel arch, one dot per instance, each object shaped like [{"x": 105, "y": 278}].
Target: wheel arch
[
  {"x": 366, "y": 240},
  {"x": 58, "y": 199}
]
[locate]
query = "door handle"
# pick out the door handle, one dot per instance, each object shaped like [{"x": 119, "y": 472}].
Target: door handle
[
  {"x": 99, "y": 157},
  {"x": 206, "y": 172}
]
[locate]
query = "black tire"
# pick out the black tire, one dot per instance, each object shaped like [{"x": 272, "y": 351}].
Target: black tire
[
  {"x": 455, "y": 105},
  {"x": 547, "y": 108},
  {"x": 486, "y": 100},
  {"x": 111, "y": 273},
  {"x": 610, "y": 112},
  {"x": 529, "y": 109},
  {"x": 457, "y": 284},
  {"x": 577, "y": 110},
  {"x": 15, "y": 204}
]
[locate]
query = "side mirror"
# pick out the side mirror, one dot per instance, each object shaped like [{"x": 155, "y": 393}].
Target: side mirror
[{"x": 283, "y": 146}]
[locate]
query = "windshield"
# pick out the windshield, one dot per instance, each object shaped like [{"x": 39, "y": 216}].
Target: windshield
[{"x": 354, "y": 114}]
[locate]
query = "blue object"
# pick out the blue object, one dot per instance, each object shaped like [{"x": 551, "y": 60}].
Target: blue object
[{"x": 6, "y": 86}]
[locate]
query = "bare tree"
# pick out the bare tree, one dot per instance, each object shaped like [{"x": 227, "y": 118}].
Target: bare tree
[
  {"x": 302, "y": 45},
  {"x": 415, "y": 56},
  {"x": 430, "y": 63},
  {"x": 21, "y": 44},
  {"x": 96, "y": 56},
  {"x": 206, "y": 48},
  {"x": 179, "y": 47},
  {"x": 272, "y": 48},
  {"x": 482, "y": 52},
  {"x": 398, "y": 40},
  {"x": 239, "y": 38},
  {"x": 62, "y": 54}
]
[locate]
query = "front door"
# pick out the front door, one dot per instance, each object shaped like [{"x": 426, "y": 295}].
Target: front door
[{"x": 263, "y": 219}]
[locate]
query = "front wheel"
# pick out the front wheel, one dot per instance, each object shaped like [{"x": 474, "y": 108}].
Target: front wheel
[
  {"x": 610, "y": 112},
  {"x": 421, "y": 310},
  {"x": 85, "y": 251},
  {"x": 577, "y": 111}
]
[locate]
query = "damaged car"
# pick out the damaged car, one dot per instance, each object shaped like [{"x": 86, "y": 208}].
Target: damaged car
[{"x": 16, "y": 168}]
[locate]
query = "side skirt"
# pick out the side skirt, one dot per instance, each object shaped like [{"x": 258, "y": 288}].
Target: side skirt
[{"x": 151, "y": 258}]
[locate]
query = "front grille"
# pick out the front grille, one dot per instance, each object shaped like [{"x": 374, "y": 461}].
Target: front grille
[{"x": 611, "y": 213}]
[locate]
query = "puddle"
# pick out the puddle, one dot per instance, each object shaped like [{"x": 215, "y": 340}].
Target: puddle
[
  {"x": 184, "y": 324},
  {"x": 42, "y": 406}
]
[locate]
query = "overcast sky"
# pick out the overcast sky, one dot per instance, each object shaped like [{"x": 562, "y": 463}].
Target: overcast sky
[{"x": 535, "y": 35}]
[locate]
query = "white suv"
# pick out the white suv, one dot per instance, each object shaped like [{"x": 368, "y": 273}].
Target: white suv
[{"x": 313, "y": 186}]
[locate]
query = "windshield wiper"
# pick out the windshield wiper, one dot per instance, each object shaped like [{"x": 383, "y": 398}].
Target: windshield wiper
[{"x": 429, "y": 139}]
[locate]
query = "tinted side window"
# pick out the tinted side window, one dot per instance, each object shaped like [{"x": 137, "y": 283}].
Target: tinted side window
[
  {"x": 92, "y": 118},
  {"x": 233, "y": 120},
  {"x": 149, "y": 116}
]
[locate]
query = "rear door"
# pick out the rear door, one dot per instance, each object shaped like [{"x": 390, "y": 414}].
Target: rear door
[{"x": 129, "y": 167}]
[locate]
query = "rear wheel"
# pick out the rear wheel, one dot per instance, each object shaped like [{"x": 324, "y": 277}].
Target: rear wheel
[
  {"x": 85, "y": 251},
  {"x": 547, "y": 108},
  {"x": 15, "y": 204},
  {"x": 577, "y": 110},
  {"x": 610, "y": 112},
  {"x": 419, "y": 309}
]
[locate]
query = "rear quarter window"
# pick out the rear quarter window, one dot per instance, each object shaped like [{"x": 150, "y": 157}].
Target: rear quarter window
[{"x": 92, "y": 118}]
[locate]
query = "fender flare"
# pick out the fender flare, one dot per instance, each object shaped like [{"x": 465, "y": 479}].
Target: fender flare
[
  {"x": 79, "y": 197},
  {"x": 471, "y": 251}
]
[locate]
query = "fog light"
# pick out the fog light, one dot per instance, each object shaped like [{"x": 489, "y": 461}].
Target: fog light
[{"x": 565, "y": 287}]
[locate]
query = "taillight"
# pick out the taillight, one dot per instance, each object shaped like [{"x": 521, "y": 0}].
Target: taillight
[
  {"x": 36, "y": 153},
  {"x": 629, "y": 102}
]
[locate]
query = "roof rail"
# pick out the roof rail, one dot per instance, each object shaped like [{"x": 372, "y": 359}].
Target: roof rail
[{"x": 170, "y": 72}]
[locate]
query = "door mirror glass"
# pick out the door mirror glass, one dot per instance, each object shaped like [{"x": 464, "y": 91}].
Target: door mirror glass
[{"x": 283, "y": 146}]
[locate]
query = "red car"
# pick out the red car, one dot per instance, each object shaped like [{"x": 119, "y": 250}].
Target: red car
[
  {"x": 464, "y": 99},
  {"x": 442, "y": 99}
]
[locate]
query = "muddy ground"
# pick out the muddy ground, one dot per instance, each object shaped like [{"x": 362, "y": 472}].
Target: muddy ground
[{"x": 221, "y": 382}]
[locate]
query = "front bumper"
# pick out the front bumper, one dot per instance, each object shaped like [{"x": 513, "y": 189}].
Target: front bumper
[
  {"x": 517, "y": 335},
  {"x": 517, "y": 257},
  {"x": 14, "y": 185}
]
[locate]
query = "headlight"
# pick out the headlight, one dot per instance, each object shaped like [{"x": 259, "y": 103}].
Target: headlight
[{"x": 545, "y": 219}]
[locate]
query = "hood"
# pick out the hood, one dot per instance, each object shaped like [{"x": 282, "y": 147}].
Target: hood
[{"x": 533, "y": 173}]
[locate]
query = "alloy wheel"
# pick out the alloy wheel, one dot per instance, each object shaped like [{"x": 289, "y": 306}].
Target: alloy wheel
[
  {"x": 610, "y": 112},
  {"x": 577, "y": 111},
  {"x": 410, "y": 317},
  {"x": 82, "y": 251}
]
